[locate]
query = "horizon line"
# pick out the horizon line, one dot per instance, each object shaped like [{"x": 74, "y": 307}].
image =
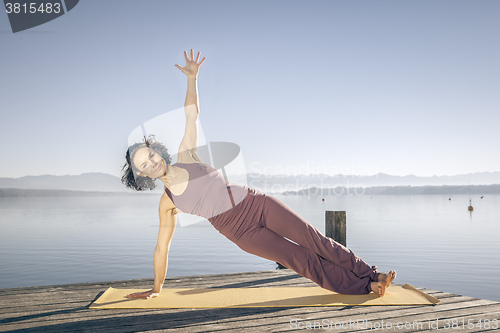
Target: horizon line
[{"x": 274, "y": 174}]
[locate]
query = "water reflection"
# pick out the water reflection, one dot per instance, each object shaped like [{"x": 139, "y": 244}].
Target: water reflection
[{"x": 431, "y": 241}]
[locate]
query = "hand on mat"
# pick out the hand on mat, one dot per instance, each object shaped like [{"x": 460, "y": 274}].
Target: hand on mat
[
  {"x": 192, "y": 66},
  {"x": 145, "y": 294}
]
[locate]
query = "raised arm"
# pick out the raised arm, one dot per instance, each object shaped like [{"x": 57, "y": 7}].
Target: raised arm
[{"x": 189, "y": 143}]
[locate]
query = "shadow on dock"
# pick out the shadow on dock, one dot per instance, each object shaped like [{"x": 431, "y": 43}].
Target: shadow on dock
[{"x": 65, "y": 308}]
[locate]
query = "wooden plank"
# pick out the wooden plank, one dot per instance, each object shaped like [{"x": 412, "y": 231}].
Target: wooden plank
[
  {"x": 114, "y": 312},
  {"x": 65, "y": 307},
  {"x": 32, "y": 309},
  {"x": 447, "y": 317},
  {"x": 354, "y": 313},
  {"x": 73, "y": 294},
  {"x": 67, "y": 301},
  {"x": 209, "y": 278},
  {"x": 478, "y": 322},
  {"x": 189, "y": 282}
]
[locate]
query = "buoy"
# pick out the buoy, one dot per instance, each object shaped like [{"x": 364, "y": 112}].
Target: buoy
[
  {"x": 470, "y": 206},
  {"x": 449, "y": 198},
  {"x": 323, "y": 199}
]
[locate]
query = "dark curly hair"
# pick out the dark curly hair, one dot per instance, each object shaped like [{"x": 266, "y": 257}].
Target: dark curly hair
[{"x": 129, "y": 175}]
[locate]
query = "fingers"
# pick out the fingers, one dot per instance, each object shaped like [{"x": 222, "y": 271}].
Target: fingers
[
  {"x": 136, "y": 295},
  {"x": 198, "y": 57},
  {"x": 146, "y": 295},
  {"x": 181, "y": 68},
  {"x": 152, "y": 295},
  {"x": 192, "y": 56}
]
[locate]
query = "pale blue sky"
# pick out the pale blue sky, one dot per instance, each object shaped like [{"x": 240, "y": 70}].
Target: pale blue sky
[{"x": 358, "y": 87}]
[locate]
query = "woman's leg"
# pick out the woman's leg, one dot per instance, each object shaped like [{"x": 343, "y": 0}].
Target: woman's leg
[
  {"x": 267, "y": 244},
  {"x": 280, "y": 219}
]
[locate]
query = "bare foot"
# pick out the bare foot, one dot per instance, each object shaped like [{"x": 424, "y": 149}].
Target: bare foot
[
  {"x": 378, "y": 287},
  {"x": 388, "y": 278}
]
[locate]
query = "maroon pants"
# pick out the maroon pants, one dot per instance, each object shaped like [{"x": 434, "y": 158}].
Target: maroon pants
[{"x": 306, "y": 251}]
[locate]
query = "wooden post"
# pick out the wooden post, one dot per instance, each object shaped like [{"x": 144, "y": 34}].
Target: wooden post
[{"x": 335, "y": 226}]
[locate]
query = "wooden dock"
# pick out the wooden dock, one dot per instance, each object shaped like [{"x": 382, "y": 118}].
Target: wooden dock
[{"x": 65, "y": 308}]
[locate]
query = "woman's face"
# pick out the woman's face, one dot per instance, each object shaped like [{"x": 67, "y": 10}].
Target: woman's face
[{"x": 149, "y": 163}]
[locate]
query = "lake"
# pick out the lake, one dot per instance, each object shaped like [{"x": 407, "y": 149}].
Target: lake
[{"x": 430, "y": 241}]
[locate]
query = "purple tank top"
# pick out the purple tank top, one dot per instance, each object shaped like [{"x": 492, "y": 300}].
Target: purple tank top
[{"x": 207, "y": 194}]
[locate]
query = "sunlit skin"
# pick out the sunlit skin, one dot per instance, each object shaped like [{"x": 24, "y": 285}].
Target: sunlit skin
[
  {"x": 384, "y": 280},
  {"x": 149, "y": 163}
]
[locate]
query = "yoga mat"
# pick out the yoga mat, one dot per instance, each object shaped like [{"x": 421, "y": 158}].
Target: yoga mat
[{"x": 258, "y": 297}]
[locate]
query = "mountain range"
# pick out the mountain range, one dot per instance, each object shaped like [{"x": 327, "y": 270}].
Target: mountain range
[
  {"x": 282, "y": 183},
  {"x": 101, "y": 182},
  {"x": 94, "y": 181}
]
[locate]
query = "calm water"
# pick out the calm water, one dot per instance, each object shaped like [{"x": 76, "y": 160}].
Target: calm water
[{"x": 431, "y": 242}]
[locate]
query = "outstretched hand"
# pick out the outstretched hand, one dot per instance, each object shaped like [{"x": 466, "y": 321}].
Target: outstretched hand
[
  {"x": 192, "y": 65},
  {"x": 145, "y": 294}
]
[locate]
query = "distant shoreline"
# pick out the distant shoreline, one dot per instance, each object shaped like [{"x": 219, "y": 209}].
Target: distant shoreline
[
  {"x": 400, "y": 190},
  {"x": 100, "y": 184},
  {"x": 19, "y": 192},
  {"x": 339, "y": 191}
]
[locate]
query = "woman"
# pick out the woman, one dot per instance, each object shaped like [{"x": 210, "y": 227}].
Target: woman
[{"x": 256, "y": 222}]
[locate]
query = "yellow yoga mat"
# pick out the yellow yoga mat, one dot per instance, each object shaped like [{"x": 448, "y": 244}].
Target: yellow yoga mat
[{"x": 258, "y": 297}]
